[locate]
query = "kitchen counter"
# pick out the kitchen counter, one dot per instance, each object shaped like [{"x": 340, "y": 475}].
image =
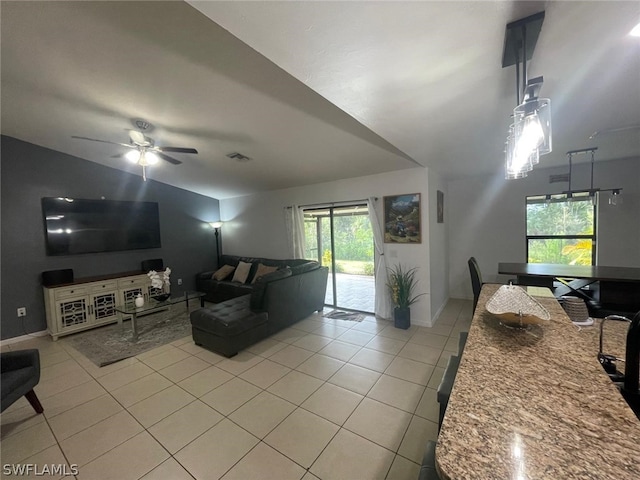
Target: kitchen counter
[{"x": 535, "y": 404}]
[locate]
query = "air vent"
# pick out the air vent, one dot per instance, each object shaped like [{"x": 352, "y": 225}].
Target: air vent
[
  {"x": 563, "y": 177},
  {"x": 238, "y": 157}
]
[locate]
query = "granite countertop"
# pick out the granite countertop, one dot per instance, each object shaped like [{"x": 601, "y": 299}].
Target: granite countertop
[{"x": 535, "y": 404}]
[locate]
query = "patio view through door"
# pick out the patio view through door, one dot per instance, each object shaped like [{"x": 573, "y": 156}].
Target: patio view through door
[{"x": 341, "y": 239}]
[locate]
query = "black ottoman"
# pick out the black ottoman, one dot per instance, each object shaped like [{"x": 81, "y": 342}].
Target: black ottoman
[{"x": 228, "y": 327}]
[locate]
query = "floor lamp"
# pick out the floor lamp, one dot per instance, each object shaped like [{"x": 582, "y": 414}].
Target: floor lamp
[{"x": 216, "y": 227}]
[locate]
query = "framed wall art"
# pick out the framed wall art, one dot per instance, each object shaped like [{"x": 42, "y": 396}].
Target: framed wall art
[
  {"x": 440, "y": 206},
  {"x": 402, "y": 214}
]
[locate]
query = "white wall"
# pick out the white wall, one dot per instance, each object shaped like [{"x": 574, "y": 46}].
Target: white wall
[
  {"x": 486, "y": 218},
  {"x": 254, "y": 225},
  {"x": 438, "y": 246}
]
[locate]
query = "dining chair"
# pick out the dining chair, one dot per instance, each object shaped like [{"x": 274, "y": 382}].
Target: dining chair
[{"x": 476, "y": 280}]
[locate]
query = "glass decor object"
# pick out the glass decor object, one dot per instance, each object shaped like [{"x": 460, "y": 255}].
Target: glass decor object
[
  {"x": 514, "y": 307},
  {"x": 139, "y": 301}
]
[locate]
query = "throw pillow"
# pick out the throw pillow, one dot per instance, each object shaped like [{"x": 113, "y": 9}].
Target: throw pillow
[
  {"x": 242, "y": 272},
  {"x": 263, "y": 270},
  {"x": 223, "y": 272}
]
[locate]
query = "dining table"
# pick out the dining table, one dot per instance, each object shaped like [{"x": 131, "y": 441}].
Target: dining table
[
  {"x": 535, "y": 403},
  {"x": 618, "y": 287}
]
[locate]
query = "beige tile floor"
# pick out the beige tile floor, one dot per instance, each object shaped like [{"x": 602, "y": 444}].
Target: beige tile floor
[{"x": 325, "y": 399}]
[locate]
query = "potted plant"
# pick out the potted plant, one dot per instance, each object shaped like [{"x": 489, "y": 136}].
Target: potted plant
[{"x": 402, "y": 284}]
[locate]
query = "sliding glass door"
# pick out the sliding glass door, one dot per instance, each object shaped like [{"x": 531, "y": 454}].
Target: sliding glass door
[{"x": 341, "y": 239}]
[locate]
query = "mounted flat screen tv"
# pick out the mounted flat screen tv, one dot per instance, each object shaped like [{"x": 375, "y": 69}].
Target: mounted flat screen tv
[{"x": 74, "y": 225}]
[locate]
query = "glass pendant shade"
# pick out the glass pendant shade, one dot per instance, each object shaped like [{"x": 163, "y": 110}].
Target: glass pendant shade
[
  {"x": 544, "y": 116},
  {"x": 533, "y": 124},
  {"x": 518, "y": 162}
]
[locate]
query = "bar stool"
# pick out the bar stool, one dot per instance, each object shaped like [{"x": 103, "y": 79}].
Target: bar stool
[
  {"x": 446, "y": 385},
  {"x": 462, "y": 341},
  {"x": 428, "y": 468}
]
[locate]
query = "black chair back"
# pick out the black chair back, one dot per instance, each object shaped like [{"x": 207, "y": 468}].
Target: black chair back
[{"x": 476, "y": 280}]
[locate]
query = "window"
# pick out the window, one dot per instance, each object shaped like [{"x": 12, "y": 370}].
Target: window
[{"x": 561, "y": 230}]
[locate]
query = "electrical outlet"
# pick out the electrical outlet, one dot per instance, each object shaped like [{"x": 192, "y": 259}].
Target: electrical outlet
[
  {"x": 179, "y": 281},
  {"x": 22, "y": 311}
]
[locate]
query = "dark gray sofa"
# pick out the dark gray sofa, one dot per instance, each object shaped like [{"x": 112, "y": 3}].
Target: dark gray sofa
[
  {"x": 221, "y": 290},
  {"x": 251, "y": 312}
]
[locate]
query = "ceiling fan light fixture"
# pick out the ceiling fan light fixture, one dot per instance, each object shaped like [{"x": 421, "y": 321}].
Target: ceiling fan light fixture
[
  {"x": 133, "y": 156},
  {"x": 151, "y": 158}
]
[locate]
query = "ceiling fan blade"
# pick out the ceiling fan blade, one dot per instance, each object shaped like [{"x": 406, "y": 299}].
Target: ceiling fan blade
[
  {"x": 103, "y": 141},
  {"x": 176, "y": 149},
  {"x": 168, "y": 158}
]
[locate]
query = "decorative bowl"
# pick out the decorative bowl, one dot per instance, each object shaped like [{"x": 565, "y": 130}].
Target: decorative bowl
[
  {"x": 161, "y": 298},
  {"x": 516, "y": 308}
]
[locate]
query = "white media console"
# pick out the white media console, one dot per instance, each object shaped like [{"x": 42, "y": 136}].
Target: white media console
[{"x": 91, "y": 302}]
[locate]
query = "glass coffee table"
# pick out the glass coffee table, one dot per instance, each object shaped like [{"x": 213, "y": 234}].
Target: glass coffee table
[{"x": 153, "y": 305}]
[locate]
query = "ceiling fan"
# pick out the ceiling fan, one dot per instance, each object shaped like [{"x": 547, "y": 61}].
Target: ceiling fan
[{"x": 143, "y": 149}]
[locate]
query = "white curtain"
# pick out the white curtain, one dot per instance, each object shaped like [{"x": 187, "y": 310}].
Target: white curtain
[
  {"x": 294, "y": 221},
  {"x": 383, "y": 304}
]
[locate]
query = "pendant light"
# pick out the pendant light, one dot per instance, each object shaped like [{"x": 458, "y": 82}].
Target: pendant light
[{"x": 530, "y": 133}]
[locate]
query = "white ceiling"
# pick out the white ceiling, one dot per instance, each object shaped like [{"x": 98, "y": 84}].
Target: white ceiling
[{"x": 312, "y": 91}]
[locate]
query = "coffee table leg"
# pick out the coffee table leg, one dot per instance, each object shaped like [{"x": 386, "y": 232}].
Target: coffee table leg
[{"x": 134, "y": 328}]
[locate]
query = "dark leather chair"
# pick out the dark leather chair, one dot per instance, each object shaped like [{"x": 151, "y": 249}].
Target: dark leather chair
[
  {"x": 476, "y": 280},
  {"x": 19, "y": 374}
]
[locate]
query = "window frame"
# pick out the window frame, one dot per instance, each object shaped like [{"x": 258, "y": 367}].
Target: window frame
[{"x": 585, "y": 196}]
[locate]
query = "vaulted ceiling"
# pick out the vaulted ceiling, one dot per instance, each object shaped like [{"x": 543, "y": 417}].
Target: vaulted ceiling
[{"x": 312, "y": 91}]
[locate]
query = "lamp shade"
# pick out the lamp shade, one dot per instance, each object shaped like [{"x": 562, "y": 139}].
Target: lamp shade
[
  {"x": 151, "y": 158},
  {"x": 215, "y": 224}
]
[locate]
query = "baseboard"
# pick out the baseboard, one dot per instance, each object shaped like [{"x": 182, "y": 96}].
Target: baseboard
[
  {"x": 22, "y": 338},
  {"x": 434, "y": 319}
]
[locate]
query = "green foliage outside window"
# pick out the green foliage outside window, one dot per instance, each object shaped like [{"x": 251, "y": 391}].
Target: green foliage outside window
[
  {"x": 560, "y": 219},
  {"x": 353, "y": 241}
]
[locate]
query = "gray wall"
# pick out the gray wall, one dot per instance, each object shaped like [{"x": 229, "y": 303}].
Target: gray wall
[
  {"x": 30, "y": 172},
  {"x": 487, "y": 218}
]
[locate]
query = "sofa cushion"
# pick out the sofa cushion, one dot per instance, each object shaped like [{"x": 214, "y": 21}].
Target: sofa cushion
[
  {"x": 228, "y": 318},
  {"x": 263, "y": 270},
  {"x": 242, "y": 272},
  {"x": 223, "y": 272},
  {"x": 304, "y": 267}
]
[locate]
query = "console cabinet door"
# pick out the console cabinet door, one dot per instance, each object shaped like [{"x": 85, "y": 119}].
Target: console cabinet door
[
  {"x": 72, "y": 314},
  {"x": 102, "y": 301},
  {"x": 131, "y": 287},
  {"x": 103, "y": 306}
]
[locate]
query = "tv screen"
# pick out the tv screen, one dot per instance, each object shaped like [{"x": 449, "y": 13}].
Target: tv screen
[{"x": 74, "y": 225}]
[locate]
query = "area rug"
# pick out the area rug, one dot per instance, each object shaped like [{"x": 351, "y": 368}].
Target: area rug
[
  {"x": 342, "y": 315},
  {"x": 110, "y": 344}
]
